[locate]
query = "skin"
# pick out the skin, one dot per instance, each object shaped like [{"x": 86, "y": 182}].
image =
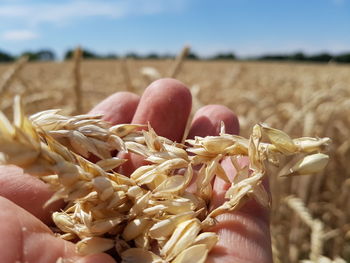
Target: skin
[{"x": 244, "y": 235}]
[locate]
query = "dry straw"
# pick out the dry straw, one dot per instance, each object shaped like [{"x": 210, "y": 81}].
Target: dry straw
[
  {"x": 317, "y": 231},
  {"x": 77, "y": 58},
  {"x": 126, "y": 75},
  {"x": 11, "y": 74},
  {"x": 150, "y": 216},
  {"x": 179, "y": 62}
]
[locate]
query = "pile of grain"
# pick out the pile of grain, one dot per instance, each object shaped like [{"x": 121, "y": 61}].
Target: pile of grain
[{"x": 151, "y": 214}]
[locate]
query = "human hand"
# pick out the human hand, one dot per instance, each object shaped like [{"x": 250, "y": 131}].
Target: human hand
[{"x": 25, "y": 237}]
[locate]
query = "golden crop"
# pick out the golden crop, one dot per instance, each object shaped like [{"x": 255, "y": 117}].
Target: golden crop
[{"x": 303, "y": 100}]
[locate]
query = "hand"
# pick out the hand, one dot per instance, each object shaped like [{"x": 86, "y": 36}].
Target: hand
[{"x": 244, "y": 235}]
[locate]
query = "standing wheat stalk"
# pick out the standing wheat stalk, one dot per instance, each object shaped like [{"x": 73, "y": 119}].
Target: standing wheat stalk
[
  {"x": 179, "y": 61},
  {"x": 126, "y": 75},
  {"x": 77, "y": 80},
  {"x": 317, "y": 238},
  {"x": 11, "y": 74},
  {"x": 317, "y": 233},
  {"x": 275, "y": 251}
]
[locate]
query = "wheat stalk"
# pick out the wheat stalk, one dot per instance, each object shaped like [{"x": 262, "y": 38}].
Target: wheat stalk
[
  {"x": 179, "y": 62},
  {"x": 126, "y": 74},
  {"x": 317, "y": 232},
  {"x": 11, "y": 74},
  {"x": 77, "y": 58},
  {"x": 275, "y": 251}
]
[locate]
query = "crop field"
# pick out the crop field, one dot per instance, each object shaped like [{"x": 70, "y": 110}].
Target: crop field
[{"x": 310, "y": 215}]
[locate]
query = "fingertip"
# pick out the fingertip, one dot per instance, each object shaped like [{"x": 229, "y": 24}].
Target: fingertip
[
  {"x": 133, "y": 161},
  {"x": 169, "y": 84},
  {"x": 118, "y": 108},
  {"x": 28, "y": 192},
  {"x": 166, "y": 105},
  {"x": 207, "y": 121}
]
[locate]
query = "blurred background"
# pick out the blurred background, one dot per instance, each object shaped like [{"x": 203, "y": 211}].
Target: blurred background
[{"x": 286, "y": 63}]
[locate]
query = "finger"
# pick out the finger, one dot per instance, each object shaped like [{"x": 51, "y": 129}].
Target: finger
[
  {"x": 166, "y": 105},
  {"x": 244, "y": 235},
  {"x": 207, "y": 121},
  {"x": 220, "y": 187},
  {"x": 118, "y": 108},
  {"x": 25, "y": 238},
  {"x": 27, "y": 192}
]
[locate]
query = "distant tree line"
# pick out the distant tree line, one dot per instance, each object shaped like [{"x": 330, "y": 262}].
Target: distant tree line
[
  {"x": 49, "y": 55},
  {"x": 299, "y": 56},
  {"x": 41, "y": 55}
]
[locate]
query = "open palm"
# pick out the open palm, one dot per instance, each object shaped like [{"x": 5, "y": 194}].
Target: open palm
[{"x": 25, "y": 234}]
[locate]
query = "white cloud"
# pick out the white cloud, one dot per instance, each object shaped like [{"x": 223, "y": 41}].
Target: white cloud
[
  {"x": 19, "y": 35},
  {"x": 66, "y": 11}
]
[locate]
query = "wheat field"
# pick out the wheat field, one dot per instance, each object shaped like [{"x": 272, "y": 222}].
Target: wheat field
[{"x": 311, "y": 100}]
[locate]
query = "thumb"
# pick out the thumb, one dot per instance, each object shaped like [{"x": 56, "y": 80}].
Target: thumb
[{"x": 244, "y": 235}]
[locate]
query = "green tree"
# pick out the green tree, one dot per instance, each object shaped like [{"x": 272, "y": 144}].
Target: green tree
[
  {"x": 5, "y": 57},
  {"x": 299, "y": 56},
  {"x": 86, "y": 54},
  {"x": 343, "y": 58},
  {"x": 193, "y": 56},
  {"x": 111, "y": 56},
  {"x": 46, "y": 55},
  {"x": 32, "y": 56},
  {"x": 41, "y": 55},
  {"x": 152, "y": 56},
  {"x": 132, "y": 55},
  {"x": 322, "y": 57},
  {"x": 224, "y": 56},
  {"x": 274, "y": 57}
]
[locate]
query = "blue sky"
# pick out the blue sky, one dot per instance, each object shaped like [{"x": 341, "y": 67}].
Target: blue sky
[{"x": 246, "y": 27}]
